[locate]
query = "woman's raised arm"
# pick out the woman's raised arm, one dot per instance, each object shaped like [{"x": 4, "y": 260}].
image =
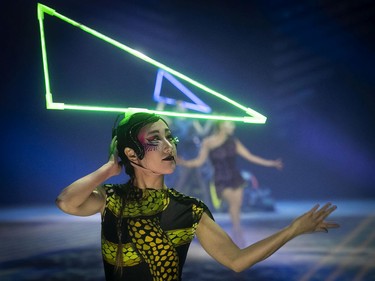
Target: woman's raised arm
[{"x": 84, "y": 197}]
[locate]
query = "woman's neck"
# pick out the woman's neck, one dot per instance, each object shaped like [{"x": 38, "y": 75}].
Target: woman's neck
[{"x": 143, "y": 181}]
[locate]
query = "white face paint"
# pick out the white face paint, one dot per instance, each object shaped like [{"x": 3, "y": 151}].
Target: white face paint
[{"x": 160, "y": 148}]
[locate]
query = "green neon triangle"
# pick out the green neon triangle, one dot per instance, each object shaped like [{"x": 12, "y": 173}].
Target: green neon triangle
[{"x": 251, "y": 116}]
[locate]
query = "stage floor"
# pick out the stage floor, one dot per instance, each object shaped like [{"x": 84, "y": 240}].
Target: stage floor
[{"x": 42, "y": 243}]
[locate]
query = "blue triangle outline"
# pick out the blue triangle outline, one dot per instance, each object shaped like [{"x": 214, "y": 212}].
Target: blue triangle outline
[{"x": 197, "y": 104}]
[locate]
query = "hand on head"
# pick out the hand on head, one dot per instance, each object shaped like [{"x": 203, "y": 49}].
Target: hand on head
[{"x": 113, "y": 163}]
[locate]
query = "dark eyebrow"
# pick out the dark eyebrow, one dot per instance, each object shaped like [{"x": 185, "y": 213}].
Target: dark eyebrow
[{"x": 157, "y": 131}]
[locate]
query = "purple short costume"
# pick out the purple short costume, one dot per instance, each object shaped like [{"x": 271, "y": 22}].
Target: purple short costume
[{"x": 226, "y": 173}]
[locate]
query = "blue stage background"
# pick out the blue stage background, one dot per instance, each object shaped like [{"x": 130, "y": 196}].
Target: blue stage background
[{"x": 307, "y": 66}]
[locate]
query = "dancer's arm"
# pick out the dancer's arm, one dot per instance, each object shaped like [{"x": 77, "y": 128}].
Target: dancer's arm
[
  {"x": 219, "y": 245},
  {"x": 85, "y": 197},
  {"x": 245, "y": 153}
]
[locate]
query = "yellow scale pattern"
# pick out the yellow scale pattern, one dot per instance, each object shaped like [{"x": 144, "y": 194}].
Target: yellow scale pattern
[
  {"x": 156, "y": 248},
  {"x": 152, "y": 202},
  {"x": 149, "y": 242},
  {"x": 131, "y": 257}
]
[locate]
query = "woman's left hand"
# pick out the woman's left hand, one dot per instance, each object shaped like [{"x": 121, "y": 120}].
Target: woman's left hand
[
  {"x": 278, "y": 164},
  {"x": 314, "y": 220}
]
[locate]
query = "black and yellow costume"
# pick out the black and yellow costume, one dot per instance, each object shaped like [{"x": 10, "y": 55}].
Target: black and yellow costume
[{"x": 157, "y": 229}]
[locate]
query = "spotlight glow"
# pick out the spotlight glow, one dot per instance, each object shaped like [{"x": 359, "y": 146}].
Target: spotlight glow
[{"x": 254, "y": 116}]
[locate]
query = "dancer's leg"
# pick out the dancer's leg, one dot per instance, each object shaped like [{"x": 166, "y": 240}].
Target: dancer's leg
[{"x": 234, "y": 199}]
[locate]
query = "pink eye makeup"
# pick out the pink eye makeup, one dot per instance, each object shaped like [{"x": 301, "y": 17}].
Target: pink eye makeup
[
  {"x": 154, "y": 140},
  {"x": 152, "y": 143}
]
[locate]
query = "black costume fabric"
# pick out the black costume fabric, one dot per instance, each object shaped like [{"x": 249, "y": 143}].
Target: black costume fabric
[
  {"x": 226, "y": 173},
  {"x": 157, "y": 230}
]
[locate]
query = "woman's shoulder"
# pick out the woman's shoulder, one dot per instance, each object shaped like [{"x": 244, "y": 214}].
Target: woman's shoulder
[
  {"x": 183, "y": 198},
  {"x": 111, "y": 188},
  {"x": 189, "y": 200}
]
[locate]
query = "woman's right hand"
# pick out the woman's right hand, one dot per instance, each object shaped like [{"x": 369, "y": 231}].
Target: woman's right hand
[{"x": 113, "y": 165}]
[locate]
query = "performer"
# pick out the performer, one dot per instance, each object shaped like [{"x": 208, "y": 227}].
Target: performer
[
  {"x": 222, "y": 148},
  {"x": 146, "y": 226}
]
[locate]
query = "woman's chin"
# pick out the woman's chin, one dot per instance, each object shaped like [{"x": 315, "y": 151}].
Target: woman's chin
[{"x": 170, "y": 171}]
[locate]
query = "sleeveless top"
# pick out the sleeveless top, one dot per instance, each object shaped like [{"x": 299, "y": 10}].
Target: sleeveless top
[
  {"x": 157, "y": 230},
  {"x": 226, "y": 172}
]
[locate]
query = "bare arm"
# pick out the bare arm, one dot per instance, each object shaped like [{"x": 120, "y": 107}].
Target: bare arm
[
  {"x": 245, "y": 153},
  {"x": 84, "y": 197},
  {"x": 220, "y": 246}
]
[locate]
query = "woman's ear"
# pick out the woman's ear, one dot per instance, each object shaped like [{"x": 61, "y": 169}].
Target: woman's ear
[{"x": 130, "y": 153}]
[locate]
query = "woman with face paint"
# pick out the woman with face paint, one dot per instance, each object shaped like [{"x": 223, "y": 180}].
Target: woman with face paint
[
  {"x": 222, "y": 148},
  {"x": 147, "y": 227}
]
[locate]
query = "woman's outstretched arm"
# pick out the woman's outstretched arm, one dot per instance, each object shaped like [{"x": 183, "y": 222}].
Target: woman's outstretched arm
[{"x": 219, "y": 245}]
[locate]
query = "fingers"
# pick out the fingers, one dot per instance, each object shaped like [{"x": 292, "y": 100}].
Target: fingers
[
  {"x": 319, "y": 215},
  {"x": 113, "y": 142},
  {"x": 329, "y": 225},
  {"x": 279, "y": 164},
  {"x": 113, "y": 153},
  {"x": 325, "y": 211},
  {"x": 322, "y": 229},
  {"x": 314, "y": 209},
  {"x": 113, "y": 147},
  {"x": 325, "y": 226}
]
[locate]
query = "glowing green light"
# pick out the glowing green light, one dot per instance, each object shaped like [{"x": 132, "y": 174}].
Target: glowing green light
[{"x": 254, "y": 116}]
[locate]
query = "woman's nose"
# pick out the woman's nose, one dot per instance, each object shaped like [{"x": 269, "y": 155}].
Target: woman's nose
[{"x": 168, "y": 146}]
